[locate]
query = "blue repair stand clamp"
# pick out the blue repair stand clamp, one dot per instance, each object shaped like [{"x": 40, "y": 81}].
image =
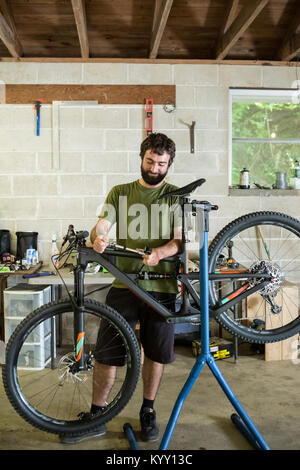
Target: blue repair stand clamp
[{"x": 241, "y": 419}]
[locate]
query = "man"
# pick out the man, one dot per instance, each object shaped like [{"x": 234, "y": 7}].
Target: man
[{"x": 162, "y": 233}]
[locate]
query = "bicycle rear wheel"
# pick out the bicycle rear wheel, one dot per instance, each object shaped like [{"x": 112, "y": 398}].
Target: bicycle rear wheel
[
  {"x": 261, "y": 242},
  {"x": 51, "y": 394}
]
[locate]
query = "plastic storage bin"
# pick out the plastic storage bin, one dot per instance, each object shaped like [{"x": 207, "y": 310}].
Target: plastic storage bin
[{"x": 19, "y": 301}]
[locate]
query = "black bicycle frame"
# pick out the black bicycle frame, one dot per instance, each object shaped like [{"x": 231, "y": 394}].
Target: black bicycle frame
[{"x": 187, "y": 313}]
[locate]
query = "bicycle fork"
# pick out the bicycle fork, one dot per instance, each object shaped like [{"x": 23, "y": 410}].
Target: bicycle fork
[{"x": 78, "y": 319}]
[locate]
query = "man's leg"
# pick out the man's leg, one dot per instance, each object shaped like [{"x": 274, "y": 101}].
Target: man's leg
[
  {"x": 103, "y": 380},
  {"x": 108, "y": 358},
  {"x": 157, "y": 338},
  {"x": 151, "y": 374}
]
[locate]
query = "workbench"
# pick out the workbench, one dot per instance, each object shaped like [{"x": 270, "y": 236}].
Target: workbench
[{"x": 68, "y": 277}]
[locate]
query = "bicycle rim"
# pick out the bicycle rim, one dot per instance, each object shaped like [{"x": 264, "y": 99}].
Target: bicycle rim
[
  {"x": 48, "y": 393},
  {"x": 263, "y": 242}
]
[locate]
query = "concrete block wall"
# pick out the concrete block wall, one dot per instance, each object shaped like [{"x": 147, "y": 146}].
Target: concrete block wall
[{"x": 99, "y": 145}]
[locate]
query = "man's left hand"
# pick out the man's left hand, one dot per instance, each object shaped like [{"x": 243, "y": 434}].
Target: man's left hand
[{"x": 151, "y": 259}]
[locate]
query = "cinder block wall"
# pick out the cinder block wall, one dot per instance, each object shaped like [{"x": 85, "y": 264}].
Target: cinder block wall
[{"x": 100, "y": 145}]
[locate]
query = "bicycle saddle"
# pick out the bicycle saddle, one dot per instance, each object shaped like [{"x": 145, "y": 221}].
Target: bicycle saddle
[{"x": 185, "y": 190}]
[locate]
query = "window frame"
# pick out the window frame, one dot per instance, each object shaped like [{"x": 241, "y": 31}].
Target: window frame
[{"x": 276, "y": 92}]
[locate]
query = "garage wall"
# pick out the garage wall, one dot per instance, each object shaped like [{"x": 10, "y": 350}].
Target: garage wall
[{"x": 100, "y": 145}]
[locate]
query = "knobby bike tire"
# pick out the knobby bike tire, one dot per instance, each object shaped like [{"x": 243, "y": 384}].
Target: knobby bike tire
[
  {"x": 32, "y": 413},
  {"x": 283, "y": 224}
]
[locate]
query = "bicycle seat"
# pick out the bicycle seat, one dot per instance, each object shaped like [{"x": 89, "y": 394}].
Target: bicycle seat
[{"x": 185, "y": 190}]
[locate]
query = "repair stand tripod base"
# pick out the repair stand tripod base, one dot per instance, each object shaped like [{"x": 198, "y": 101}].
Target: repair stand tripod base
[{"x": 242, "y": 420}]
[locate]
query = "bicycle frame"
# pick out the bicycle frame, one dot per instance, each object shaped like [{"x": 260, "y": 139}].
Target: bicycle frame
[{"x": 187, "y": 313}]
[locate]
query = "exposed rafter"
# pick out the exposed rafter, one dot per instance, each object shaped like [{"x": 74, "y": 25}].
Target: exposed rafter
[
  {"x": 239, "y": 26},
  {"x": 160, "y": 20},
  {"x": 290, "y": 45},
  {"x": 8, "y": 33},
  {"x": 80, "y": 18},
  {"x": 230, "y": 15}
]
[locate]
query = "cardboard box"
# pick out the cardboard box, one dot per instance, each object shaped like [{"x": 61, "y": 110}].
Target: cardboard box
[{"x": 256, "y": 307}]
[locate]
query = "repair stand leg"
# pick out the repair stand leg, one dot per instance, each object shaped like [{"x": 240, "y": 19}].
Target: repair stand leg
[
  {"x": 242, "y": 421},
  {"x": 180, "y": 400}
]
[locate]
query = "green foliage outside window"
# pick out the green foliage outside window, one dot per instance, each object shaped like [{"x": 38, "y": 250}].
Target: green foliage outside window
[{"x": 270, "y": 121}]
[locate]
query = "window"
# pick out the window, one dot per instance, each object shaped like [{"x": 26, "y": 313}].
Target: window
[{"x": 265, "y": 134}]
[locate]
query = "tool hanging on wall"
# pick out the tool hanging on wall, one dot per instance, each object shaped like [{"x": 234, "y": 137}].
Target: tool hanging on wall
[
  {"x": 149, "y": 116},
  {"x": 192, "y": 136},
  {"x": 192, "y": 133},
  {"x": 37, "y": 107}
]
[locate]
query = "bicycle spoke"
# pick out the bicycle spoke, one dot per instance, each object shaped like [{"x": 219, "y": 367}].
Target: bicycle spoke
[
  {"x": 62, "y": 392},
  {"x": 273, "y": 250}
]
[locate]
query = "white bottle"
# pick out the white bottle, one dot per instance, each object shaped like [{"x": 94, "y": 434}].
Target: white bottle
[
  {"x": 54, "y": 252},
  {"x": 29, "y": 255}
]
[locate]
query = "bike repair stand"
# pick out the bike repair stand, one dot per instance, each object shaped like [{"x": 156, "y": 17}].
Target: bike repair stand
[{"x": 241, "y": 420}]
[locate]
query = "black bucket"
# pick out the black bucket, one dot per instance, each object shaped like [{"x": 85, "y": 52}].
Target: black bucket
[
  {"x": 24, "y": 241},
  {"x": 4, "y": 242}
]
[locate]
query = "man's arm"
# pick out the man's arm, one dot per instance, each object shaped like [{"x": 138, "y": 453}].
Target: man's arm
[
  {"x": 99, "y": 236},
  {"x": 171, "y": 248}
]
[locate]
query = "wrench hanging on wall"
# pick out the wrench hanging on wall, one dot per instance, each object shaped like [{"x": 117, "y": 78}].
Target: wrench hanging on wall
[
  {"x": 192, "y": 136},
  {"x": 192, "y": 133}
]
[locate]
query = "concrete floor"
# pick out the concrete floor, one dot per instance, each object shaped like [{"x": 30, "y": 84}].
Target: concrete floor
[{"x": 268, "y": 391}]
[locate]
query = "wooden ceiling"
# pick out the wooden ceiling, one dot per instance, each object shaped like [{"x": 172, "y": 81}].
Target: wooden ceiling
[{"x": 150, "y": 30}]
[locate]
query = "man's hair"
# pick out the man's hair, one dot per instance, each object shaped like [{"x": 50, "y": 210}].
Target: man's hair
[{"x": 158, "y": 143}]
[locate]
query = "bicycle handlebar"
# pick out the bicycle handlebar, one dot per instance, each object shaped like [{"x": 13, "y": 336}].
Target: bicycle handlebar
[{"x": 73, "y": 236}]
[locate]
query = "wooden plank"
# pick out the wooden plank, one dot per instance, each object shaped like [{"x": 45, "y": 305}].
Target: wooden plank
[
  {"x": 239, "y": 26},
  {"x": 158, "y": 30},
  {"x": 80, "y": 18},
  {"x": 138, "y": 60},
  {"x": 9, "y": 38},
  {"x": 104, "y": 94}
]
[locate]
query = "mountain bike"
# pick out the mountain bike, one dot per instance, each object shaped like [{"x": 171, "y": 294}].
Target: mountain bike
[{"x": 253, "y": 265}]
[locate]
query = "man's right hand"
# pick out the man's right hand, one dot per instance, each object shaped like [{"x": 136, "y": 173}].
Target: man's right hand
[{"x": 100, "y": 243}]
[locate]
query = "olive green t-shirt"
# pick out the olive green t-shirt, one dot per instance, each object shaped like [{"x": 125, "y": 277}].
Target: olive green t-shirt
[{"x": 142, "y": 221}]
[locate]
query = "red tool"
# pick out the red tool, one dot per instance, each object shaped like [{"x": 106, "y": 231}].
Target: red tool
[{"x": 149, "y": 116}]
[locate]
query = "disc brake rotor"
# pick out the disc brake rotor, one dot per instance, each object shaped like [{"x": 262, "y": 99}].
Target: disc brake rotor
[{"x": 66, "y": 370}]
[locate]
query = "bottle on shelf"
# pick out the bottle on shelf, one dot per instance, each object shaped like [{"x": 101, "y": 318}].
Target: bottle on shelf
[{"x": 55, "y": 252}]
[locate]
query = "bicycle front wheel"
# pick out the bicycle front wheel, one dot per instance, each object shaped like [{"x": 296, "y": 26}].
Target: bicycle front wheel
[
  {"x": 45, "y": 389},
  {"x": 261, "y": 242}
]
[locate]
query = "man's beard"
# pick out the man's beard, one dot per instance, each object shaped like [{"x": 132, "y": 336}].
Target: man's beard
[{"x": 151, "y": 179}]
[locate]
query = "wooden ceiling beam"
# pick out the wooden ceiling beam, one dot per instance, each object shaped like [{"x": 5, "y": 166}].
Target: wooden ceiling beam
[
  {"x": 230, "y": 15},
  {"x": 8, "y": 33},
  {"x": 290, "y": 45},
  {"x": 80, "y": 18},
  {"x": 160, "y": 20},
  {"x": 239, "y": 26},
  {"x": 290, "y": 48}
]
